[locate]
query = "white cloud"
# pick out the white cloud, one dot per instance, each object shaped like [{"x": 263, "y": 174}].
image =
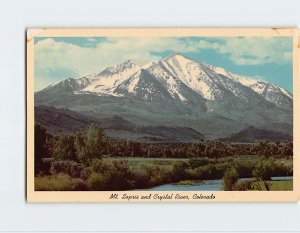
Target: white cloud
[
  {"x": 51, "y": 54},
  {"x": 257, "y": 50}
]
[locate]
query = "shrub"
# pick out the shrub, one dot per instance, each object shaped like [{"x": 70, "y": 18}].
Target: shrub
[
  {"x": 60, "y": 182},
  {"x": 40, "y": 150},
  {"x": 287, "y": 150},
  {"x": 141, "y": 178},
  {"x": 195, "y": 173},
  {"x": 45, "y": 166},
  {"x": 264, "y": 170},
  {"x": 179, "y": 170},
  {"x": 99, "y": 166},
  {"x": 70, "y": 168},
  {"x": 90, "y": 145},
  {"x": 186, "y": 182},
  {"x": 110, "y": 176},
  {"x": 244, "y": 168},
  {"x": 64, "y": 148},
  {"x": 243, "y": 186},
  {"x": 230, "y": 179},
  {"x": 205, "y": 172},
  {"x": 197, "y": 162},
  {"x": 85, "y": 173},
  {"x": 97, "y": 181},
  {"x": 157, "y": 175}
]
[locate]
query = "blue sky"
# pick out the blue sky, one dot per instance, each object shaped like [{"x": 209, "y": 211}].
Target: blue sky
[{"x": 266, "y": 58}]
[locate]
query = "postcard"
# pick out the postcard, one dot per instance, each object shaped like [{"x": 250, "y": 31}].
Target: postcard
[{"x": 163, "y": 115}]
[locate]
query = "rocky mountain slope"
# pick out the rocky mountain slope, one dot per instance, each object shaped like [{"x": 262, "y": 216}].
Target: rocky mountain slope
[
  {"x": 64, "y": 121},
  {"x": 175, "y": 91},
  {"x": 252, "y": 134}
]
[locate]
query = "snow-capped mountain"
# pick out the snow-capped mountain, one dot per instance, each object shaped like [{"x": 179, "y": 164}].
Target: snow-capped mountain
[
  {"x": 177, "y": 77},
  {"x": 106, "y": 81},
  {"x": 177, "y": 86},
  {"x": 270, "y": 92}
]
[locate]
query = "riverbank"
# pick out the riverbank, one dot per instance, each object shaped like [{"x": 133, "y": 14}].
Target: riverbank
[
  {"x": 132, "y": 173},
  {"x": 276, "y": 183}
]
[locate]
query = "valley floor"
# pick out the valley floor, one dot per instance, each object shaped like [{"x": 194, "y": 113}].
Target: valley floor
[{"x": 162, "y": 174}]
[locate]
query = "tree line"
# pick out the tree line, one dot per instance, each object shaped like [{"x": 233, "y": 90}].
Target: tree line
[
  {"x": 75, "y": 161},
  {"x": 85, "y": 146}
]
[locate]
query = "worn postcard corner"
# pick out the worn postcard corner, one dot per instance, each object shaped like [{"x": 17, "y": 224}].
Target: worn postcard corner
[
  {"x": 163, "y": 115},
  {"x": 32, "y": 32}
]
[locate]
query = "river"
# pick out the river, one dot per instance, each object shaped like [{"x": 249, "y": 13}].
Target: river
[{"x": 205, "y": 185}]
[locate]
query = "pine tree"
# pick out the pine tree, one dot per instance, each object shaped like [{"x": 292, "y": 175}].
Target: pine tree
[{"x": 40, "y": 151}]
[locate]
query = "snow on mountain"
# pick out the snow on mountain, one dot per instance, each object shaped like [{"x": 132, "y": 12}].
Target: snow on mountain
[
  {"x": 167, "y": 93},
  {"x": 190, "y": 73},
  {"x": 177, "y": 71},
  {"x": 176, "y": 78},
  {"x": 270, "y": 92},
  {"x": 106, "y": 81},
  {"x": 176, "y": 91}
]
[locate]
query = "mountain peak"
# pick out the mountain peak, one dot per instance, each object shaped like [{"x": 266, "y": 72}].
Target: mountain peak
[
  {"x": 180, "y": 75},
  {"x": 127, "y": 64},
  {"x": 176, "y": 56}
]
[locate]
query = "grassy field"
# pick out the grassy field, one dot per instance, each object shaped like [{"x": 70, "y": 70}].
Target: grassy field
[
  {"x": 286, "y": 162},
  {"x": 133, "y": 160},
  {"x": 57, "y": 183},
  {"x": 136, "y": 163},
  {"x": 167, "y": 163},
  {"x": 285, "y": 185}
]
